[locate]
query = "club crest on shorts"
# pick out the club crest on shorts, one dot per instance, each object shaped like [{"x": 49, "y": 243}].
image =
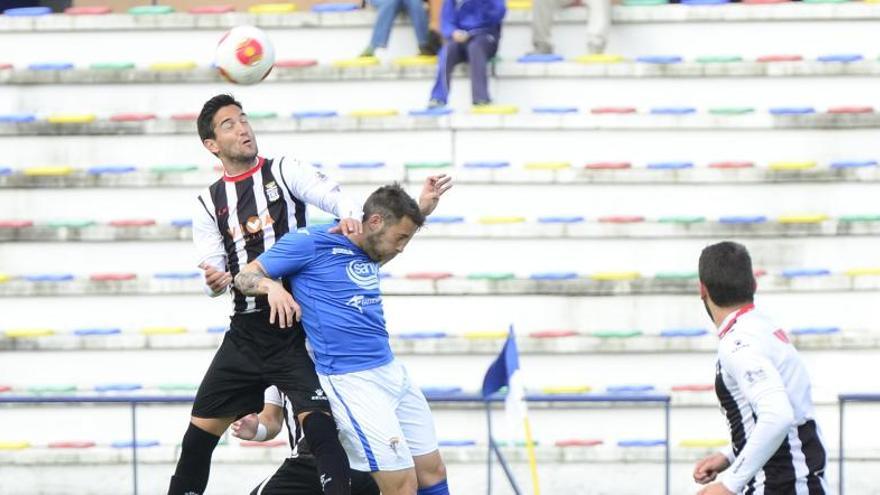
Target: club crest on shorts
[
  {"x": 272, "y": 191},
  {"x": 393, "y": 443}
]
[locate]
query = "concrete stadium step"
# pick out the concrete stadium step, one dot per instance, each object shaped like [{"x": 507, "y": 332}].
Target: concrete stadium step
[{"x": 407, "y": 313}]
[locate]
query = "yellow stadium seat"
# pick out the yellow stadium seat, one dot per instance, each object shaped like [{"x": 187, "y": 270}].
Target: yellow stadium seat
[
  {"x": 708, "y": 443},
  {"x": 48, "y": 171},
  {"x": 599, "y": 58},
  {"x": 173, "y": 66},
  {"x": 567, "y": 389},
  {"x": 486, "y": 335},
  {"x": 861, "y": 272},
  {"x": 27, "y": 333},
  {"x": 163, "y": 330},
  {"x": 374, "y": 112},
  {"x": 792, "y": 165},
  {"x": 815, "y": 218},
  {"x": 519, "y": 4},
  {"x": 71, "y": 118},
  {"x": 356, "y": 62},
  {"x": 612, "y": 276},
  {"x": 272, "y": 8},
  {"x": 494, "y": 110},
  {"x": 501, "y": 220},
  {"x": 416, "y": 61},
  {"x": 547, "y": 165},
  {"x": 14, "y": 445},
  {"x": 4, "y": 278}
]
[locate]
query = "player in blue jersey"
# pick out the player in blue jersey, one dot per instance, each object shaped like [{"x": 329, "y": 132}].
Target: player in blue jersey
[{"x": 384, "y": 420}]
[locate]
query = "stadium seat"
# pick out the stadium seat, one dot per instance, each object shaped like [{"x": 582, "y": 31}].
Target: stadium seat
[
  {"x": 118, "y": 387},
  {"x": 335, "y": 7},
  {"x": 690, "y": 387},
  {"x": 272, "y": 8},
  {"x": 608, "y": 166},
  {"x": 501, "y": 220},
  {"x": 539, "y": 58},
  {"x": 863, "y": 272},
  {"x": 841, "y": 164},
  {"x": 659, "y": 59},
  {"x": 71, "y": 118},
  {"x": 682, "y": 220},
  {"x": 163, "y": 330},
  {"x": 416, "y": 61},
  {"x": 351, "y": 63},
  {"x": 173, "y": 66},
  {"x": 182, "y": 223},
  {"x": 673, "y": 111},
  {"x": 111, "y": 277},
  {"x": 547, "y": 165},
  {"x": 858, "y": 218},
  {"x": 802, "y": 219},
  {"x": 49, "y": 277},
  {"x": 780, "y": 58},
  {"x": 4, "y": 278},
  {"x": 58, "y": 171},
  {"x": 669, "y": 165},
  {"x": 792, "y": 111},
  {"x": 218, "y": 329},
  {"x": 132, "y": 117},
  {"x": 494, "y": 109},
  {"x": 16, "y": 224},
  {"x": 373, "y": 112},
  {"x": 444, "y": 219},
  {"x": 5, "y": 388},
  {"x": 184, "y": 116},
  {"x": 598, "y": 58},
  {"x": 421, "y": 335},
  {"x": 173, "y": 168},
  {"x": 815, "y": 331},
  {"x": 28, "y": 333},
  {"x": 27, "y": 11},
  {"x": 211, "y": 9},
  {"x": 52, "y": 389},
  {"x": 519, "y": 4},
  {"x": 133, "y": 222},
  {"x": 561, "y": 219},
  {"x": 578, "y": 442},
  {"x": 177, "y": 275},
  {"x": 178, "y": 387},
  {"x": 553, "y": 276},
  {"x": 614, "y": 276},
  {"x": 552, "y": 334},
  {"x": 805, "y": 272},
  {"x": 491, "y": 276},
  {"x": 676, "y": 276},
  {"x": 616, "y": 334},
  {"x": 703, "y": 443},
  {"x": 839, "y": 57},
  {"x": 555, "y": 110},
  {"x": 17, "y": 118},
  {"x": 150, "y": 10},
  {"x": 622, "y": 219},
  {"x": 731, "y": 165},
  {"x": 683, "y": 332},
  {"x": 763, "y": 2},
  {"x": 264, "y": 115},
  {"x": 456, "y": 443},
  {"x": 295, "y": 63},
  {"x": 644, "y": 3},
  {"x": 4, "y": 171},
  {"x": 112, "y": 66},
  {"x": 14, "y": 445},
  {"x": 431, "y": 112},
  {"x": 428, "y": 275},
  {"x": 72, "y": 444},
  {"x": 269, "y": 444},
  {"x": 315, "y": 114},
  {"x": 435, "y": 391},
  {"x": 111, "y": 169},
  {"x": 641, "y": 443},
  {"x": 777, "y": 166},
  {"x": 89, "y": 332},
  {"x": 566, "y": 389},
  {"x": 361, "y": 165},
  {"x": 128, "y": 444},
  {"x": 730, "y": 111},
  {"x": 612, "y": 110},
  {"x": 851, "y": 110},
  {"x": 629, "y": 389},
  {"x": 742, "y": 220},
  {"x": 486, "y": 165},
  {"x": 88, "y": 10},
  {"x": 486, "y": 335},
  {"x": 718, "y": 59}
]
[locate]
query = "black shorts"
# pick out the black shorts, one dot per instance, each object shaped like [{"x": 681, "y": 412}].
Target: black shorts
[
  {"x": 253, "y": 356},
  {"x": 299, "y": 476}
]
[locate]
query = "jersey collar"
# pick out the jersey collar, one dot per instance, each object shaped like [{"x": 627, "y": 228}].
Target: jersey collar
[
  {"x": 243, "y": 176},
  {"x": 727, "y": 325}
]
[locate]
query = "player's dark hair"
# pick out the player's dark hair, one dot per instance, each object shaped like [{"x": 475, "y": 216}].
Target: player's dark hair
[
  {"x": 392, "y": 203},
  {"x": 205, "y": 121},
  {"x": 726, "y": 271}
]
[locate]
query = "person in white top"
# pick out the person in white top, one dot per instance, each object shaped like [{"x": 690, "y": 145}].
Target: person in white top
[{"x": 763, "y": 387}]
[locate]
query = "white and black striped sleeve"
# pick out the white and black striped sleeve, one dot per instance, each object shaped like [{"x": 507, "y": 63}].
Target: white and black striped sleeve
[
  {"x": 310, "y": 185},
  {"x": 764, "y": 389},
  {"x": 207, "y": 239}
]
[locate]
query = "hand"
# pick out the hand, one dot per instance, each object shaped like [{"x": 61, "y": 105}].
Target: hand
[
  {"x": 708, "y": 468},
  {"x": 459, "y": 36},
  {"x": 218, "y": 281},
  {"x": 715, "y": 489},
  {"x": 434, "y": 187},
  {"x": 281, "y": 303},
  {"x": 347, "y": 226},
  {"x": 246, "y": 427}
]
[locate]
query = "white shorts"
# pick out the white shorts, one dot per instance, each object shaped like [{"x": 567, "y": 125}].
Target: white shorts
[{"x": 382, "y": 416}]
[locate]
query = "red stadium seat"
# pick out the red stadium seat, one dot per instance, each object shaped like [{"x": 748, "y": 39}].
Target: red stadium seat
[
  {"x": 5, "y": 388},
  {"x": 847, "y": 110},
  {"x": 16, "y": 224},
  {"x": 579, "y": 442},
  {"x": 88, "y": 10},
  {"x": 212, "y": 9},
  {"x": 612, "y": 110},
  {"x": 133, "y": 223},
  {"x": 428, "y": 275},
  {"x": 702, "y": 387},
  {"x": 295, "y": 63},
  {"x": 112, "y": 277},
  {"x": 622, "y": 219},
  {"x": 269, "y": 444},
  {"x": 731, "y": 165},
  {"x": 780, "y": 58},
  {"x": 608, "y": 166},
  {"x": 552, "y": 334},
  {"x": 185, "y": 116},
  {"x": 72, "y": 445},
  {"x": 132, "y": 117}
]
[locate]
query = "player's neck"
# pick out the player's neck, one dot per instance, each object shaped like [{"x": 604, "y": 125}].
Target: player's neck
[
  {"x": 234, "y": 168},
  {"x": 720, "y": 314}
]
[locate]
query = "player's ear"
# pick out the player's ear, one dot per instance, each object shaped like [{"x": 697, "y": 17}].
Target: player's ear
[
  {"x": 211, "y": 145},
  {"x": 704, "y": 293},
  {"x": 375, "y": 221}
]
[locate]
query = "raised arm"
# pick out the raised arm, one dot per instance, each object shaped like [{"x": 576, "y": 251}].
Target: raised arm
[{"x": 315, "y": 188}]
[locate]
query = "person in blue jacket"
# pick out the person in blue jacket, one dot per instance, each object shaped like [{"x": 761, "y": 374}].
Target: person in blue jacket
[{"x": 471, "y": 30}]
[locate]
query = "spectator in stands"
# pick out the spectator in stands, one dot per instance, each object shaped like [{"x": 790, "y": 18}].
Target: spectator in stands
[
  {"x": 435, "y": 39},
  {"x": 472, "y": 30},
  {"x": 598, "y": 23},
  {"x": 386, "y": 11}
]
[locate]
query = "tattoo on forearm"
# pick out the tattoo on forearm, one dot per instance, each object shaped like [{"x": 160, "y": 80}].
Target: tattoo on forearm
[{"x": 248, "y": 283}]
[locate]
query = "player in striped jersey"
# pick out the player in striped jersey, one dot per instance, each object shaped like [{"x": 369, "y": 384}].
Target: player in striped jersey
[
  {"x": 236, "y": 219},
  {"x": 298, "y": 475},
  {"x": 763, "y": 388}
]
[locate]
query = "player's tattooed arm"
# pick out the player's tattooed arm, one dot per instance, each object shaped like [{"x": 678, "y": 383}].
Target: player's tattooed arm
[{"x": 252, "y": 280}]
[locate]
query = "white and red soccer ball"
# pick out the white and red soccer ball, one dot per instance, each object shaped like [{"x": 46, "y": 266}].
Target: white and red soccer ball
[{"x": 244, "y": 55}]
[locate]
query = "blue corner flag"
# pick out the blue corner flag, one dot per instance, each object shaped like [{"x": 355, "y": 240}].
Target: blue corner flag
[{"x": 500, "y": 372}]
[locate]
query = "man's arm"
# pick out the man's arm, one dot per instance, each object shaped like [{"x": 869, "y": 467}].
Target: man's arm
[
  {"x": 209, "y": 246},
  {"x": 260, "y": 427},
  {"x": 311, "y": 185},
  {"x": 252, "y": 281},
  {"x": 435, "y": 186}
]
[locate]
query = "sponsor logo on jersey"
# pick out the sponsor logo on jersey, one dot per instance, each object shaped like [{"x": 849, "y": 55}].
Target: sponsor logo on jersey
[
  {"x": 756, "y": 375},
  {"x": 365, "y": 274},
  {"x": 338, "y": 250},
  {"x": 358, "y": 302}
]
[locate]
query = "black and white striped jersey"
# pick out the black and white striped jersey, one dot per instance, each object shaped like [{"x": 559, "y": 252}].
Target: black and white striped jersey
[
  {"x": 238, "y": 218},
  {"x": 764, "y": 390},
  {"x": 298, "y": 446}
]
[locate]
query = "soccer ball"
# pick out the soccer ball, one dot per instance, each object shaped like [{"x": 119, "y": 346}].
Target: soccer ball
[{"x": 244, "y": 55}]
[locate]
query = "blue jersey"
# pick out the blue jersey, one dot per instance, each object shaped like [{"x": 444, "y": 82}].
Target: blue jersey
[{"x": 337, "y": 286}]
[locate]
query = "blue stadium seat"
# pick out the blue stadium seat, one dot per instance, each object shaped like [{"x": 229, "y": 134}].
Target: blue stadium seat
[
  {"x": 118, "y": 387},
  {"x": 659, "y": 59},
  {"x": 628, "y": 389},
  {"x": 555, "y": 110},
  {"x": 17, "y": 118},
  {"x": 561, "y": 219},
  {"x": 792, "y": 110},
  {"x": 444, "y": 220},
  {"x": 554, "y": 276},
  {"x": 742, "y": 220},
  {"x": 27, "y": 11},
  {"x": 217, "y": 329},
  {"x": 815, "y": 331},
  {"x": 683, "y": 332},
  {"x": 853, "y": 164},
  {"x": 182, "y": 223},
  {"x": 49, "y": 277},
  {"x": 440, "y": 391},
  {"x": 540, "y": 58},
  {"x": 841, "y": 57},
  {"x": 51, "y": 66},
  {"x": 673, "y": 110},
  {"x": 456, "y": 443},
  {"x": 641, "y": 443},
  {"x": 177, "y": 275},
  {"x": 431, "y": 112},
  {"x": 127, "y": 444},
  {"x": 805, "y": 272},
  {"x": 5, "y": 171},
  {"x": 85, "y": 332},
  {"x": 334, "y": 7},
  {"x": 111, "y": 169},
  {"x": 670, "y": 165},
  {"x": 361, "y": 165},
  {"x": 486, "y": 165},
  {"x": 315, "y": 114},
  {"x": 422, "y": 335}
]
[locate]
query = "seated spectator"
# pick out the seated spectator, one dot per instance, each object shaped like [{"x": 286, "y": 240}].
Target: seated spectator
[
  {"x": 598, "y": 23},
  {"x": 472, "y": 30},
  {"x": 386, "y": 11}
]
